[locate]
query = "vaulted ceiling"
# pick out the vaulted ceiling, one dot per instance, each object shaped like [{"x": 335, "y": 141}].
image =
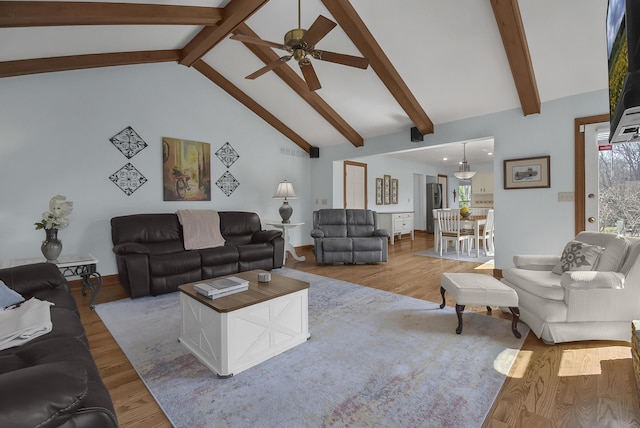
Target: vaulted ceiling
[{"x": 431, "y": 61}]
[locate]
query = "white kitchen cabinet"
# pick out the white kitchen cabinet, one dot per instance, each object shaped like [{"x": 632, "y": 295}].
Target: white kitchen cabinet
[
  {"x": 482, "y": 183},
  {"x": 397, "y": 223}
]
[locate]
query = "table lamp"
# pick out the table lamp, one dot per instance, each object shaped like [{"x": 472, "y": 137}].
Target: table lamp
[{"x": 285, "y": 190}]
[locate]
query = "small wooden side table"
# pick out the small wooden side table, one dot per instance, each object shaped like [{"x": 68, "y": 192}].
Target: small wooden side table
[
  {"x": 82, "y": 265},
  {"x": 288, "y": 247}
]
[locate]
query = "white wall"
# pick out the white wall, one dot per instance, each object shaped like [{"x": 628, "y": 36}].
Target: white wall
[
  {"x": 55, "y": 140},
  {"x": 529, "y": 220}
]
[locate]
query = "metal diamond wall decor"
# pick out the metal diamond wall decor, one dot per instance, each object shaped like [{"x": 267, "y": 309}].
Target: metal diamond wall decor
[
  {"x": 227, "y": 183},
  {"x": 227, "y": 155},
  {"x": 128, "y": 142},
  {"x": 128, "y": 179}
]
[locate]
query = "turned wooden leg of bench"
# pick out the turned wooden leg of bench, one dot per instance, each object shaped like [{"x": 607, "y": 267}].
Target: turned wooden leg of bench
[
  {"x": 459, "y": 310},
  {"x": 514, "y": 323},
  {"x": 442, "y": 290}
]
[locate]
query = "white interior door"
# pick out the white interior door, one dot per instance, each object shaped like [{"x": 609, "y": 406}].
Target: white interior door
[{"x": 355, "y": 185}]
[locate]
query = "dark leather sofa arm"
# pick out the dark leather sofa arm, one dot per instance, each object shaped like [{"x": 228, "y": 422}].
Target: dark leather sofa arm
[
  {"x": 381, "y": 232},
  {"x": 131, "y": 248},
  {"x": 265, "y": 236},
  {"x": 45, "y": 395},
  {"x": 317, "y": 233},
  {"x": 29, "y": 279}
]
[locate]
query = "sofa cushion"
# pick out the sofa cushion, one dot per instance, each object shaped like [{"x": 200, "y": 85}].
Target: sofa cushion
[
  {"x": 254, "y": 252},
  {"x": 238, "y": 227},
  {"x": 332, "y": 222},
  {"x": 578, "y": 256},
  {"x": 367, "y": 244},
  {"x": 543, "y": 284},
  {"x": 615, "y": 249},
  {"x": 632, "y": 256},
  {"x": 219, "y": 255},
  {"x": 146, "y": 228},
  {"x": 337, "y": 244},
  {"x": 175, "y": 263},
  {"x": 360, "y": 223}
]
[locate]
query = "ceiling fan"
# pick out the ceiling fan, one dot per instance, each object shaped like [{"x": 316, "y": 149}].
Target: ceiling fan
[{"x": 300, "y": 44}]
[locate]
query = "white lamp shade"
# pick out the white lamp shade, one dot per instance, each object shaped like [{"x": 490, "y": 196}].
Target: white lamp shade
[{"x": 285, "y": 191}]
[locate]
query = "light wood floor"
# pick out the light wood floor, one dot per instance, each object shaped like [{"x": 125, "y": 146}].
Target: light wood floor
[{"x": 584, "y": 384}]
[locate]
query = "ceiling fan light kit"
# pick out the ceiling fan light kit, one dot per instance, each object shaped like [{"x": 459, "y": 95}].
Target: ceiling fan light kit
[{"x": 300, "y": 44}]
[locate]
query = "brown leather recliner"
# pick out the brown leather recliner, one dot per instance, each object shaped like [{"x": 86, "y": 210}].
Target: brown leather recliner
[{"x": 152, "y": 260}]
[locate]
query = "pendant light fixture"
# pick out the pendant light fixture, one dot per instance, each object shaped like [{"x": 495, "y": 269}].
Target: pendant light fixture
[{"x": 464, "y": 172}]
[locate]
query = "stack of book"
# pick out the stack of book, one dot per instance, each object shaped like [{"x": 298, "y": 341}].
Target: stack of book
[{"x": 219, "y": 287}]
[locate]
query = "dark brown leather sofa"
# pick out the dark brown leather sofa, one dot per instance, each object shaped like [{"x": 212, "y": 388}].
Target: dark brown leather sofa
[
  {"x": 52, "y": 380},
  {"x": 152, "y": 260}
]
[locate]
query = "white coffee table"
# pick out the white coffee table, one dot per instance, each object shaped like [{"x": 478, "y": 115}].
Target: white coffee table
[{"x": 236, "y": 332}]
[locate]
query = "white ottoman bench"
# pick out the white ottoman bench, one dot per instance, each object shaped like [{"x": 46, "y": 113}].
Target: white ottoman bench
[{"x": 479, "y": 289}]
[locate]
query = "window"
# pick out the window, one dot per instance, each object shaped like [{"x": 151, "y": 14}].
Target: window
[{"x": 464, "y": 192}]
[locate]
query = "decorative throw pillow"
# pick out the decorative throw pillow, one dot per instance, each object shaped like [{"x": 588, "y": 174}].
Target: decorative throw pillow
[
  {"x": 578, "y": 256},
  {"x": 8, "y": 296}
]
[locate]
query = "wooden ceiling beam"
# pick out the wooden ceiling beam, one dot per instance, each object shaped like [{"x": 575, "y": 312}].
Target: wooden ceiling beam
[
  {"x": 514, "y": 39},
  {"x": 53, "y": 13},
  {"x": 235, "y": 13},
  {"x": 354, "y": 26},
  {"x": 248, "y": 102},
  {"x": 77, "y": 62},
  {"x": 295, "y": 82}
]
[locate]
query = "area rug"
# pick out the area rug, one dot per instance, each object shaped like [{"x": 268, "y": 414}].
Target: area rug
[
  {"x": 374, "y": 359},
  {"x": 451, "y": 255}
]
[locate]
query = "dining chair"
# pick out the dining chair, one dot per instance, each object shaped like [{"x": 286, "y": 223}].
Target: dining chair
[
  {"x": 486, "y": 234},
  {"x": 449, "y": 225}
]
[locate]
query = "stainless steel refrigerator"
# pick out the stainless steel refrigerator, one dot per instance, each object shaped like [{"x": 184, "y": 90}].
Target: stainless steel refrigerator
[{"x": 434, "y": 201}]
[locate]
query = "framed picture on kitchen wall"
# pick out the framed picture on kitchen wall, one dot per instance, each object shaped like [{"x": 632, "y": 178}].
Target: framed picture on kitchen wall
[
  {"x": 527, "y": 173},
  {"x": 387, "y": 189},
  {"x": 379, "y": 191},
  {"x": 394, "y": 190}
]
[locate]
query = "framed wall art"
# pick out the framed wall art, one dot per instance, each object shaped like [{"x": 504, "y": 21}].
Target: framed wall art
[
  {"x": 394, "y": 190},
  {"x": 527, "y": 173},
  {"x": 387, "y": 189},
  {"x": 186, "y": 170},
  {"x": 379, "y": 191}
]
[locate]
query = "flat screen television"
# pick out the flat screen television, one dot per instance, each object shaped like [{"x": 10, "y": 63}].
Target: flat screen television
[{"x": 623, "y": 49}]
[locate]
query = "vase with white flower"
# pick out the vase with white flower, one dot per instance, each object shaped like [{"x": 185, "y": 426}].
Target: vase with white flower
[{"x": 52, "y": 220}]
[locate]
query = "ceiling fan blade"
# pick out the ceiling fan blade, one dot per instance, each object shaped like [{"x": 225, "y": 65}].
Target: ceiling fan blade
[
  {"x": 310, "y": 75},
  {"x": 256, "y": 41},
  {"x": 350, "y": 60},
  {"x": 320, "y": 28},
  {"x": 269, "y": 67}
]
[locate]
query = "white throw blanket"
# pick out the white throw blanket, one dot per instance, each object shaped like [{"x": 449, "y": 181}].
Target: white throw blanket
[
  {"x": 200, "y": 229},
  {"x": 24, "y": 323}
]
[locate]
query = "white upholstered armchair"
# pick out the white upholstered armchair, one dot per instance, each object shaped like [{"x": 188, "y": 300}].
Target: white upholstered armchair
[{"x": 591, "y": 292}]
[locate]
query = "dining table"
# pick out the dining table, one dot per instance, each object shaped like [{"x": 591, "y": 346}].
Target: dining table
[{"x": 471, "y": 223}]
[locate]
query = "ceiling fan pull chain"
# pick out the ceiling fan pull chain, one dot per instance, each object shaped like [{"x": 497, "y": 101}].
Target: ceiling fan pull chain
[{"x": 299, "y": 25}]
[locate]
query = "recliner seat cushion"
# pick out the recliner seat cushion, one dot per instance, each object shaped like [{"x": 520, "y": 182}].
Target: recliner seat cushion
[
  {"x": 219, "y": 255},
  {"x": 331, "y": 245},
  {"x": 175, "y": 263},
  {"x": 367, "y": 244},
  {"x": 254, "y": 252}
]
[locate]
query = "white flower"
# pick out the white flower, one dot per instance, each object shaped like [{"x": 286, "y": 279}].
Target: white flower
[{"x": 56, "y": 217}]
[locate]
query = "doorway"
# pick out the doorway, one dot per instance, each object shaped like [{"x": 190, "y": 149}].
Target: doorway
[
  {"x": 355, "y": 185},
  {"x": 611, "y": 197}
]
